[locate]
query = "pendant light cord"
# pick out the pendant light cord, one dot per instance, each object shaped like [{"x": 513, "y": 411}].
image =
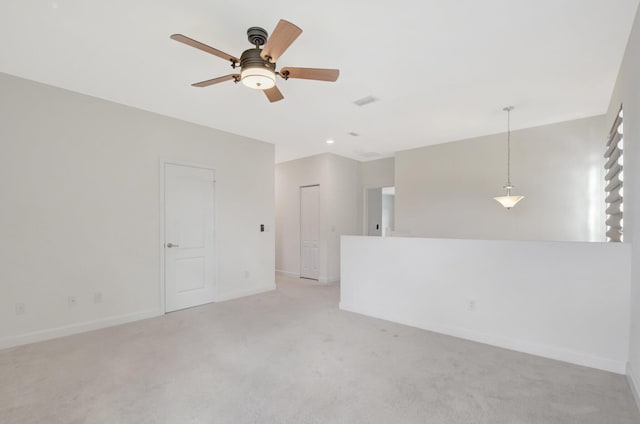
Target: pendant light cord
[
  {"x": 508, "y": 109},
  {"x": 509, "y": 146}
]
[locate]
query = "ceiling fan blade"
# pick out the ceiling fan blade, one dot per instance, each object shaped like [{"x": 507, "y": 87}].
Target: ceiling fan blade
[
  {"x": 273, "y": 94},
  {"x": 198, "y": 45},
  {"x": 281, "y": 38},
  {"x": 216, "y": 80},
  {"x": 310, "y": 73}
]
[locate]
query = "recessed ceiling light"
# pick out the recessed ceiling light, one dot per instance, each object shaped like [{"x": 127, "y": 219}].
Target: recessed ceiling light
[{"x": 330, "y": 141}]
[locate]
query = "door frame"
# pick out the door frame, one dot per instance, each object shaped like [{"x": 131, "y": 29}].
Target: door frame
[
  {"x": 300, "y": 227},
  {"x": 162, "y": 162}
]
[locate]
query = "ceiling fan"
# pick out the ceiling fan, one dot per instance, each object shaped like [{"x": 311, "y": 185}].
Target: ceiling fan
[{"x": 258, "y": 65}]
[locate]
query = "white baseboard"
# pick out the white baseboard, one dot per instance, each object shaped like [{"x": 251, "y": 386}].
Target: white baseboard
[
  {"x": 242, "y": 293},
  {"x": 545, "y": 351},
  {"x": 328, "y": 280},
  {"x": 633, "y": 383},
  {"x": 323, "y": 280},
  {"x": 67, "y": 330}
]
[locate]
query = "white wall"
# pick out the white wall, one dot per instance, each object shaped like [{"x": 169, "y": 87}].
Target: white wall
[
  {"x": 378, "y": 173},
  {"x": 79, "y": 183},
  {"x": 447, "y": 190},
  {"x": 345, "y": 206},
  {"x": 567, "y": 301},
  {"x": 340, "y": 209},
  {"x": 627, "y": 92}
]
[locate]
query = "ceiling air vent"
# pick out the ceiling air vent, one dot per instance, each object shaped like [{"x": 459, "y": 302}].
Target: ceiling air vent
[{"x": 365, "y": 100}]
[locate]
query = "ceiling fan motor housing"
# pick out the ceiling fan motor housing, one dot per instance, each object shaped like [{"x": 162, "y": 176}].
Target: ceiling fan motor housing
[{"x": 251, "y": 59}]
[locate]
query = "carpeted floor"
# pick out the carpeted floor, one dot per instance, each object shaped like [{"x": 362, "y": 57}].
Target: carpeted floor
[{"x": 290, "y": 356}]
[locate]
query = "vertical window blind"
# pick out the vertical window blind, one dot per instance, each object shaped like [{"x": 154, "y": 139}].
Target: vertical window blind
[{"x": 614, "y": 180}]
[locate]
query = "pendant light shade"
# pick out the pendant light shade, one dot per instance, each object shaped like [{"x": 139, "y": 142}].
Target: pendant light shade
[{"x": 508, "y": 201}]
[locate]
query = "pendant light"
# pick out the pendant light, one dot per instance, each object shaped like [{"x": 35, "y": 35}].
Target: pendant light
[{"x": 508, "y": 201}]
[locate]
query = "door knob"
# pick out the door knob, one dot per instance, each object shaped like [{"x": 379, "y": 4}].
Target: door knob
[{"x": 170, "y": 245}]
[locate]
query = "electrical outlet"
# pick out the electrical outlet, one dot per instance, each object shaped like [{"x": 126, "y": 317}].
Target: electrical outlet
[
  {"x": 21, "y": 309},
  {"x": 246, "y": 274},
  {"x": 472, "y": 305},
  {"x": 97, "y": 297},
  {"x": 72, "y": 301}
]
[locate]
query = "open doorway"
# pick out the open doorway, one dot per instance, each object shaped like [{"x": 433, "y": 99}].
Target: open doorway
[{"x": 380, "y": 211}]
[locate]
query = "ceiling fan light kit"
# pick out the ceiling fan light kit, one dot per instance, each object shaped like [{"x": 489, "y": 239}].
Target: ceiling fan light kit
[
  {"x": 257, "y": 73},
  {"x": 258, "y": 65},
  {"x": 258, "y": 78}
]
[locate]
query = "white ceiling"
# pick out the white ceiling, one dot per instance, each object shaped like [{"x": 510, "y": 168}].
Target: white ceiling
[{"x": 442, "y": 70}]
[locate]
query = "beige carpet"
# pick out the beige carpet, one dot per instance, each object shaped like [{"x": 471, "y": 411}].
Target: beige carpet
[{"x": 290, "y": 356}]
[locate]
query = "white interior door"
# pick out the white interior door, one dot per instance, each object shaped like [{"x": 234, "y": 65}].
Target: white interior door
[
  {"x": 189, "y": 236},
  {"x": 310, "y": 232}
]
